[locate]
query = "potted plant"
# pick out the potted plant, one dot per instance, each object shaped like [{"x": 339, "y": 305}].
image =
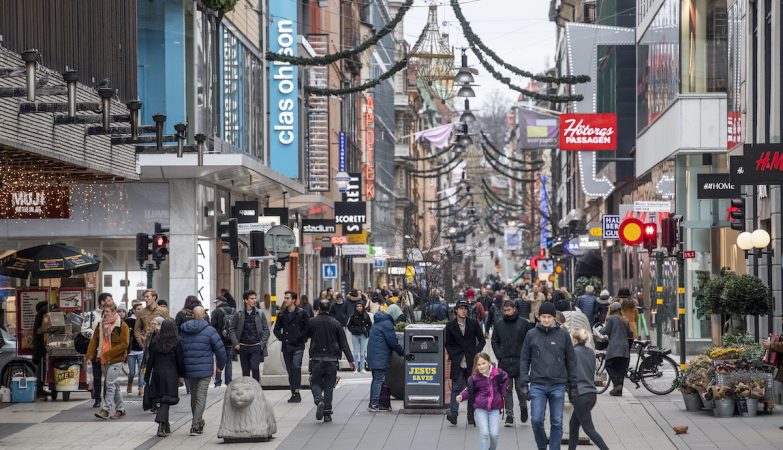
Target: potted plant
[
  {"x": 698, "y": 375},
  {"x": 723, "y": 396},
  {"x": 711, "y": 302},
  {"x": 582, "y": 282},
  {"x": 745, "y": 295},
  {"x": 690, "y": 395},
  {"x": 749, "y": 387}
]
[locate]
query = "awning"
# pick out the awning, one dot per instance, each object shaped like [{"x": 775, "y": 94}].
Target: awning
[{"x": 590, "y": 264}]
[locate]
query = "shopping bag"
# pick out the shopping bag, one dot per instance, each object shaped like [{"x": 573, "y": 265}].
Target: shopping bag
[{"x": 772, "y": 357}]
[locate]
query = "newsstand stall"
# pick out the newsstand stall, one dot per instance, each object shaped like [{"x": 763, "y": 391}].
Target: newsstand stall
[{"x": 66, "y": 368}]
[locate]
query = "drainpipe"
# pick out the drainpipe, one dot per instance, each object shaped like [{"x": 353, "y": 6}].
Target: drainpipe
[
  {"x": 159, "y": 119},
  {"x": 134, "y": 106},
  {"x": 30, "y": 57},
  {"x": 181, "y": 128},
  {"x": 200, "y": 138},
  {"x": 106, "y": 94},
  {"x": 71, "y": 77}
]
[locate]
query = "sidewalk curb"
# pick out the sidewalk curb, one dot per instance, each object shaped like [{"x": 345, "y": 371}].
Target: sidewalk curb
[{"x": 154, "y": 440}]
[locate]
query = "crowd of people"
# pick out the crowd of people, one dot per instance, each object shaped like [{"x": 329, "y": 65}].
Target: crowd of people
[{"x": 543, "y": 341}]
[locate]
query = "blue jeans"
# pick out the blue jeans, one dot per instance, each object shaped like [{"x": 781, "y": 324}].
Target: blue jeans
[
  {"x": 134, "y": 367},
  {"x": 293, "y": 365},
  {"x": 227, "y": 370},
  {"x": 375, "y": 387},
  {"x": 359, "y": 349},
  {"x": 488, "y": 423},
  {"x": 554, "y": 394}
]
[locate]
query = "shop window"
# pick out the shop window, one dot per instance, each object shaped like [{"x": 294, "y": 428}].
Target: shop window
[
  {"x": 704, "y": 42},
  {"x": 241, "y": 97}
]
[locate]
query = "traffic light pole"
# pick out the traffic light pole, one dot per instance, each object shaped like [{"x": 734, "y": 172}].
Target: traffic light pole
[
  {"x": 150, "y": 269},
  {"x": 681, "y": 302},
  {"x": 659, "y": 308},
  {"x": 245, "y": 277}
]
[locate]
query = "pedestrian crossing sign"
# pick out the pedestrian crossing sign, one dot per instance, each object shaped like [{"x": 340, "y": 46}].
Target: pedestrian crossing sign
[{"x": 329, "y": 271}]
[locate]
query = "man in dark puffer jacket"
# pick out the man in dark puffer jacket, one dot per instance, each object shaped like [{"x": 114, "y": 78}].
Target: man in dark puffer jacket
[
  {"x": 507, "y": 341},
  {"x": 201, "y": 345}
]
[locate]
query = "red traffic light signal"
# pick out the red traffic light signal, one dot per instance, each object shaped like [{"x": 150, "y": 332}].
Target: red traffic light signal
[
  {"x": 160, "y": 249},
  {"x": 650, "y": 235}
]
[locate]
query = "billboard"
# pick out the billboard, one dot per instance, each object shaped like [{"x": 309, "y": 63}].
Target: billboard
[
  {"x": 537, "y": 130},
  {"x": 283, "y": 90}
]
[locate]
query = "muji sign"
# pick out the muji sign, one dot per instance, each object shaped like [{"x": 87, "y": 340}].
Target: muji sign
[{"x": 588, "y": 132}]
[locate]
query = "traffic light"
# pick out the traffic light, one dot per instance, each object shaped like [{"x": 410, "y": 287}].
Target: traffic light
[
  {"x": 671, "y": 234},
  {"x": 650, "y": 235},
  {"x": 160, "y": 248},
  {"x": 143, "y": 251},
  {"x": 229, "y": 236},
  {"x": 257, "y": 243},
  {"x": 737, "y": 214}
]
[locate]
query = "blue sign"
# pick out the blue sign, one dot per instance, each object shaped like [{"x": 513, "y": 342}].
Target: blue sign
[
  {"x": 544, "y": 210},
  {"x": 343, "y": 150},
  {"x": 611, "y": 226},
  {"x": 283, "y": 90},
  {"x": 329, "y": 271},
  {"x": 422, "y": 373}
]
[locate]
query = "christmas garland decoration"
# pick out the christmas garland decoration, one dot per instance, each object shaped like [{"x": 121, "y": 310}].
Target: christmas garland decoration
[
  {"x": 510, "y": 158},
  {"x": 441, "y": 208},
  {"x": 325, "y": 60},
  {"x": 438, "y": 200},
  {"x": 438, "y": 174},
  {"x": 496, "y": 199},
  {"x": 362, "y": 87},
  {"x": 428, "y": 158},
  {"x": 500, "y": 171},
  {"x": 437, "y": 169},
  {"x": 473, "y": 37},
  {"x": 488, "y": 155},
  {"x": 507, "y": 81}
]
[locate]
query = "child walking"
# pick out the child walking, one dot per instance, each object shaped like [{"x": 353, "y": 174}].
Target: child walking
[{"x": 486, "y": 387}]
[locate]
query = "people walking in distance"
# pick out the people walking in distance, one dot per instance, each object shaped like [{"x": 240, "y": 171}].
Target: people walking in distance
[
  {"x": 327, "y": 342},
  {"x": 618, "y": 354},
  {"x": 229, "y": 298},
  {"x": 495, "y": 312},
  {"x": 584, "y": 398},
  {"x": 524, "y": 306},
  {"x": 201, "y": 346},
  {"x": 304, "y": 303},
  {"x": 249, "y": 335},
  {"x": 381, "y": 343},
  {"x": 221, "y": 322},
  {"x": 135, "y": 352},
  {"x": 602, "y": 307},
  {"x": 165, "y": 369},
  {"x": 339, "y": 309},
  {"x": 291, "y": 330},
  {"x": 353, "y": 299},
  {"x": 548, "y": 365},
  {"x": 406, "y": 305},
  {"x": 586, "y": 303},
  {"x": 359, "y": 325},
  {"x": 507, "y": 341},
  {"x": 485, "y": 388},
  {"x": 109, "y": 344},
  {"x": 536, "y": 298},
  {"x": 463, "y": 341}
]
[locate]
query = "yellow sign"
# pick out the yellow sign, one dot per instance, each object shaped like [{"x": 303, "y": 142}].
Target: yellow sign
[
  {"x": 681, "y": 311},
  {"x": 658, "y": 288},
  {"x": 681, "y": 290},
  {"x": 659, "y": 301},
  {"x": 552, "y": 278},
  {"x": 558, "y": 269},
  {"x": 358, "y": 238},
  {"x": 596, "y": 232}
]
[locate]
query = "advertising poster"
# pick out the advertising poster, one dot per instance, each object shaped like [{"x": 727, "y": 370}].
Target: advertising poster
[
  {"x": 422, "y": 373},
  {"x": 71, "y": 299},
  {"x": 26, "y": 299}
]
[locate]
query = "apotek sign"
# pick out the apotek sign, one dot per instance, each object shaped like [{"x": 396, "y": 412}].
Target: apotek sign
[
  {"x": 369, "y": 155},
  {"x": 283, "y": 96},
  {"x": 588, "y": 132}
]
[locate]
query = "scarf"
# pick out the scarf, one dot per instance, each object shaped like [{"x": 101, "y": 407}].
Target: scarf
[{"x": 109, "y": 321}]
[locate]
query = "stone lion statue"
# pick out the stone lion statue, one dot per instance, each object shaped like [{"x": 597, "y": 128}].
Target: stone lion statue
[{"x": 247, "y": 414}]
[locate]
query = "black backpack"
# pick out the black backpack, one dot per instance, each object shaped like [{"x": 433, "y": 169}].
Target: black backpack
[{"x": 228, "y": 317}]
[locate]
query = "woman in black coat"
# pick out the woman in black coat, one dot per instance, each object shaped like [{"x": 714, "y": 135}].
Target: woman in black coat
[{"x": 165, "y": 368}]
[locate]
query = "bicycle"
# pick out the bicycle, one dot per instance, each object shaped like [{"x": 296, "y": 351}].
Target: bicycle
[{"x": 654, "y": 369}]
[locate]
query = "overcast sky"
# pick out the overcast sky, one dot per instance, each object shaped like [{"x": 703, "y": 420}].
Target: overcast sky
[{"x": 519, "y": 31}]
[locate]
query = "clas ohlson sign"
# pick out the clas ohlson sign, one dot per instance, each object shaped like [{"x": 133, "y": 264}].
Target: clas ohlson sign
[{"x": 283, "y": 82}]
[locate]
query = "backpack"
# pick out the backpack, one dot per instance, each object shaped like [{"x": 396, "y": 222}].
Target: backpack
[
  {"x": 384, "y": 398},
  {"x": 225, "y": 328}
]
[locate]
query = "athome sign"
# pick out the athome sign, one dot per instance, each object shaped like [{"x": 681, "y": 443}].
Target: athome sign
[
  {"x": 611, "y": 226},
  {"x": 716, "y": 185}
]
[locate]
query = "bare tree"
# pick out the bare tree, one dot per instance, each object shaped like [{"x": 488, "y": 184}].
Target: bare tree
[{"x": 493, "y": 118}]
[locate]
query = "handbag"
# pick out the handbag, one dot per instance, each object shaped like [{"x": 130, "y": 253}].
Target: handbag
[{"x": 771, "y": 357}]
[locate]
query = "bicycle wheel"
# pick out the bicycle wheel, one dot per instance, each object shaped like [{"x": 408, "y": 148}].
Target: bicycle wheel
[
  {"x": 659, "y": 379},
  {"x": 601, "y": 376}
]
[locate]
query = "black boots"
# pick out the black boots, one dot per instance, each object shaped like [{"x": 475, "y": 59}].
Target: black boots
[
  {"x": 162, "y": 430},
  {"x": 96, "y": 403},
  {"x": 296, "y": 397}
]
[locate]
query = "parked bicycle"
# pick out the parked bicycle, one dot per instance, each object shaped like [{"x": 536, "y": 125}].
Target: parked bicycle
[{"x": 654, "y": 369}]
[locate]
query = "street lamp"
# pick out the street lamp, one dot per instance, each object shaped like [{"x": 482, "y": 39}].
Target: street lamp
[{"x": 759, "y": 239}]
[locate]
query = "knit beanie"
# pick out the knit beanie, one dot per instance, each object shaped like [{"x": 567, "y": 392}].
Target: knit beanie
[{"x": 547, "y": 308}]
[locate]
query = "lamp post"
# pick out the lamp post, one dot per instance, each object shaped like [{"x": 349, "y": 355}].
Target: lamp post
[{"x": 759, "y": 239}]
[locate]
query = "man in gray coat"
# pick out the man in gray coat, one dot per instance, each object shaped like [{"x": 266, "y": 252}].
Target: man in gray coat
[{"x": 249, "y": 334}]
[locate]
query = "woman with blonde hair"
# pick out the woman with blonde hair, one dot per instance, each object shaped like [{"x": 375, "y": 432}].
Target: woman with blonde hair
[{"x": 585, "y": 396}]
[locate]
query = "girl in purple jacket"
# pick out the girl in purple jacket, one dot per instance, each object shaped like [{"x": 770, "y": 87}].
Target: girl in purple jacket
[{"x": 486, "y": 386}]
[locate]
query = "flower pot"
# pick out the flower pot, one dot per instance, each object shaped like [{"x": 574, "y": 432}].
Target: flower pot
[
  {"x": 692, "y": 401},
  {"x": 706, "y": 404},
  {"x": 724, "y": 407},
  {"x": 748, "y": 407}
]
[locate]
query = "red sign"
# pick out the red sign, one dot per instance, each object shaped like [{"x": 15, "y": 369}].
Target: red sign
[
  {"x": 734, "y": 128},
  {"x": 689, "y": 254},
  {"x": 369, "y": 165},
  {"x": 588, "y": 132},
  {"x": 339, "y": 240},
  {"x": 630, "y": 231}
]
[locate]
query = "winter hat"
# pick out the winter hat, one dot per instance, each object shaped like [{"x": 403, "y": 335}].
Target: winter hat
[
  {"x": 615, "y": 306},
  {"x": 394, "y": 311},
  {"x": 353, "y": 295},
  {"x": 547, "y": 308},
  {"x": 159, "y": 320},
  {"x": 470, "y": 293},
  {"x": 122, "y": 307},
  {"x": 604, "y": 294},
  {"x": 562, "y": 305},
  {"x": 589, "y": 289}
]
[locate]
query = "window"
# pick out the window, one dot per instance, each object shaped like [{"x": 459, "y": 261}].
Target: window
[
  {"x": 241, "y": 97},
  {"x": 704, "y": 38}
]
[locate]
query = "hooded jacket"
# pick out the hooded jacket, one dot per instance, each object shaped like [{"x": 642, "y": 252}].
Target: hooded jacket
[
  {"x": 327, "y": 338},
  {"x": 382, "y": 341},
  {"x": 548, "y": 357},
  {"x": 601, "y": 309},
  {"x": 201, "y": 345},
  {"x": 507, "y": 341},
  {"x": 586, "y": 303},
  {"x": 487, "y": 391}
]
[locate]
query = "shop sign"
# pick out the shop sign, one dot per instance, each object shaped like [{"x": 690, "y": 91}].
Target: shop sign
[
  {"x": 734, "y": 128},
  {"x": 353, "y": 193},
  {"x": 318, "y": 226},
  {"x": 397, "y": 270},
  {"x": 610, "y": 226},
  {"x": 262, "y": 224},
  {"x": 355, "y": 249},
  {"x": 343, "y": 150},
  {"x": 245, "y": 212},
  {"x": 422, "y": 373},
  {"x": 50, "y": 203},
  {"x": 358, "y": 238},
  {"x": 651, "y": 206},
  {"x": 716, "y": 185},
  {"x": 350, "y": 212},
  {"x": 282, "y": 213},
  {"x": 579, "y": 245},
  {"x": 338, "y": 240},
  {"x": 689, "y": 254},
  {"x": 26, "y": 299},
  {"x": 369, "y": 155},
  {"x": 203, "y": 272},
  {"x": 588, "y": 132},
  {"x": 283, "y": 89},
  {"x": 760, "y": 164}
]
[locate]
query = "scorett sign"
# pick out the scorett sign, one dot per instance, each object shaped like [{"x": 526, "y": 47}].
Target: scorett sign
[
  {"x": 350, "y": 212},
  {"x": 716, "y": 185}
]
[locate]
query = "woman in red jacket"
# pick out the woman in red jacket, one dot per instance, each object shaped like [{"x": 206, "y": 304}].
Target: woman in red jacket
[{"x": 486, "y": 386}]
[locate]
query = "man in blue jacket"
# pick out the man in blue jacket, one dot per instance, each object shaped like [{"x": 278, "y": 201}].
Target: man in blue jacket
[
  {"x": 586, "y": 303},
  {"x": 382, "y": 341},
  {"x": 201, "y": 345}
]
